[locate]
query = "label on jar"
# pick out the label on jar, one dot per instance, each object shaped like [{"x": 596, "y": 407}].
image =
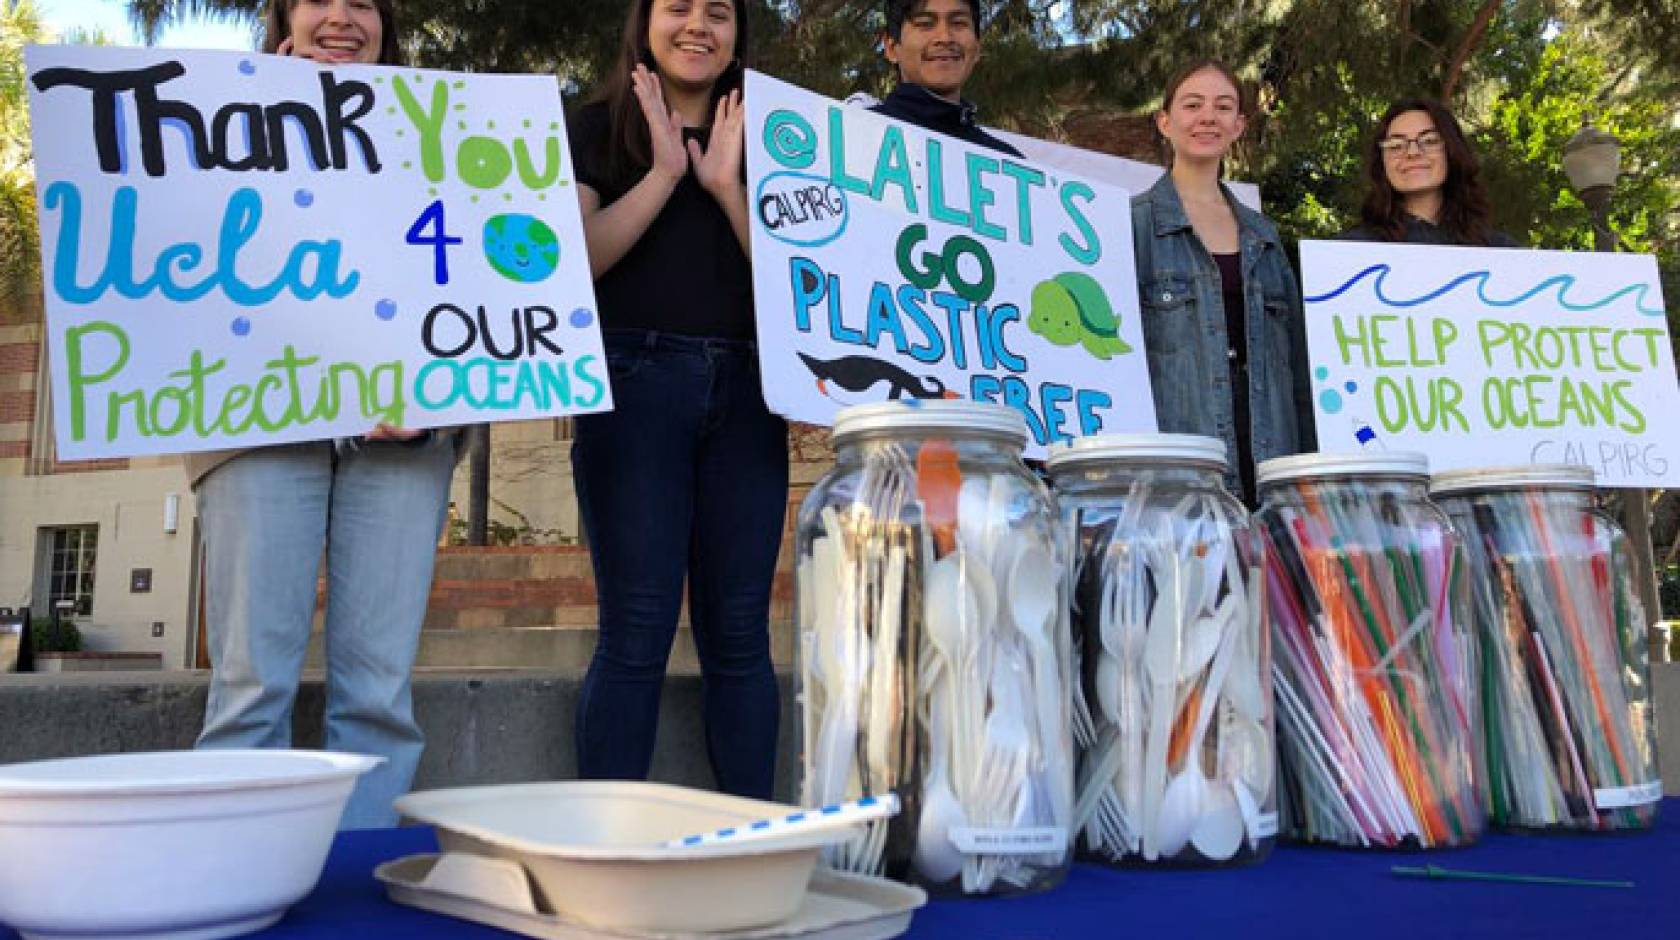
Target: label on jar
[
  {"x": 1034, "y": 840},
  {"x": 1263, "y": 826},
  {"x": 1620, "y": 797}
]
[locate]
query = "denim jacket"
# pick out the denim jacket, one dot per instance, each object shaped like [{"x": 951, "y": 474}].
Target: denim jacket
[{"x": 1184, "y": 329}]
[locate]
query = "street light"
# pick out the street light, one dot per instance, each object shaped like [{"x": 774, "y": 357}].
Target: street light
[{"x": 1593, "y": 161}]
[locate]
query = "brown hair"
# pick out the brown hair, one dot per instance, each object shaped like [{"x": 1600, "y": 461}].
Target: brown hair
[
  {"x": 1465, "y": 210},
  {"x": 277, "y": 28},
  {"x": 629, "y": 149},
  {"x": 1178, "y": 78}
]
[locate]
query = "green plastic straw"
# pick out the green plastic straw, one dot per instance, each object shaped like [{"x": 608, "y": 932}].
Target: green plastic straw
[{"x": 1438, "y": 873}]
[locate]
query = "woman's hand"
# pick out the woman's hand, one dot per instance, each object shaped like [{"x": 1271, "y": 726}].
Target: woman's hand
[
  {"x": 287, "y": 47},
  {"x": 718, "y": 167},
  {"x": 388, "y": 432},
  {"x": 665, "y": 126}
]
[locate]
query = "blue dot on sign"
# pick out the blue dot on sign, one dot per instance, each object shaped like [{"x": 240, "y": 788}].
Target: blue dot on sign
[
  {"x": 1351, "y": 387},
  {"x": 581, "y": 317},
  {"x": 1321, "y": 373},
  {"x": 247, "y": 67},
  {"x": 241, "y": 326},
  {"x": 385, "y": 309},
  {"x": 304, "y": 198},
  {"x": 1330, "y": 400}
]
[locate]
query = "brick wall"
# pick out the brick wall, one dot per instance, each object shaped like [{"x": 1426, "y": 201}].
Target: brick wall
[{"x": 20, "y": 353}]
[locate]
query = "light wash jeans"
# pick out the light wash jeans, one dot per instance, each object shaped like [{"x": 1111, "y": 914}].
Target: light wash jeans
[{"x": 268, "y": 514}]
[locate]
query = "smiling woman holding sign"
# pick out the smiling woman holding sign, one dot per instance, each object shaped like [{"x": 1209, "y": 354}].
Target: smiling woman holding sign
[
  {"x": 1423, "y": 184},
  {"x": 687, "y": 477},
  {"x": 375, "y": 506},
  {"x": 1221, "y": 310}
]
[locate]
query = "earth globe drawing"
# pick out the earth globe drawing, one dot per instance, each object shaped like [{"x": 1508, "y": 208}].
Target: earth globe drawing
[{"x": 521, "y": 247}]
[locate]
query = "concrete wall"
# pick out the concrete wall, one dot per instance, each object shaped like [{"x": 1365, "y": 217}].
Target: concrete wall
[
  {"x": 481, "y": 727},
  {"x": 128, "y": 507}
]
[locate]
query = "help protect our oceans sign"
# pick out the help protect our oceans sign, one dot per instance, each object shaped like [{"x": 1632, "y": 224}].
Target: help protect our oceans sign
[
  {"x": 242, "y": 249},
  {"x": 890, "y": 263},
  {"x": 1483, "y": 357}
]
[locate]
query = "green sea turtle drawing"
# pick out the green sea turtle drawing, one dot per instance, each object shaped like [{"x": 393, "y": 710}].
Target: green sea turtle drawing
[{"x": 1072, "y": 308}]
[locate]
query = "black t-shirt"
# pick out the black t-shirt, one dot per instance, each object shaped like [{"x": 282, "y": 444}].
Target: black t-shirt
[
  {"x": 1420, "y": 232},
  {"x": 1236, "y": 336},
  {"x": 687, "y": 273}
]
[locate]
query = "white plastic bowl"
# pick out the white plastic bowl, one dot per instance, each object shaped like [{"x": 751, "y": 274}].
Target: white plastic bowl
[
  {"x": 593, "y": 850},
  {"x": 183, "y": 845}
]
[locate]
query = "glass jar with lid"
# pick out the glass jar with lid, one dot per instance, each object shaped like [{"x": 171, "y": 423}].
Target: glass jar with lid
[
  {"x": 1173, "y": 716},
  {"x": 934, "y": 649},
  {"x": 1566, "y": 737},
  {"x": 1374, "y": 660}
]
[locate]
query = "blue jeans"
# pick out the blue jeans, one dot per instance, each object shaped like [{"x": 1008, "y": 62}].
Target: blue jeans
[
  {"x": 268, "y": 514},
  {"x": 687, "y": 476}
]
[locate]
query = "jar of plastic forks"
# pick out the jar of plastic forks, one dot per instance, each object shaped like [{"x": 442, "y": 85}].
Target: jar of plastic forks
[
  {"x": 934, "y": 649},
  {"x": 1172, "y": 716},
  {"x": 1374, "y": 661},
  {"x": 1566, "y": 736}
]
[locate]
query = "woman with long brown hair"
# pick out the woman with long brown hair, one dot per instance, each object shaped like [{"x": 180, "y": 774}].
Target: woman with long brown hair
[
  {"x": 686, "y": 479},
  {"x": 1423, "y": 183}
]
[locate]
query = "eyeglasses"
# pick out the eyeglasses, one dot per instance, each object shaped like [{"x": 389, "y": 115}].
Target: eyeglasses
[{"x": 1426, "y": 142}]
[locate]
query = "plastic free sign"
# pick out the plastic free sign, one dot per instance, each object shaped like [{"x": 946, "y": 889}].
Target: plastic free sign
[
  {"x": 893, "y": 263},
  {"x": 1484, "y": 357},
  {"x": 247, "y": 249}
]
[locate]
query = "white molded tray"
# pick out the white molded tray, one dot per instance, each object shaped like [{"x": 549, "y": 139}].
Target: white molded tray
[
  {"x": 497, "y": 892},
  {"x": 594, "y": 851}
]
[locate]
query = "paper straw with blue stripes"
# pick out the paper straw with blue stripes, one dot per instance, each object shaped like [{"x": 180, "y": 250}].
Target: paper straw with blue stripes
[{"x": 833, "y": 816}]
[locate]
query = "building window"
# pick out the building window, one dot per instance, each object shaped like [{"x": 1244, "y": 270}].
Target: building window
[{"x": 69, "y": 566}]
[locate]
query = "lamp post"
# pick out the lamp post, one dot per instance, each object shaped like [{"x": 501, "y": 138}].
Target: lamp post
[{"x": 1593, "y": 160}]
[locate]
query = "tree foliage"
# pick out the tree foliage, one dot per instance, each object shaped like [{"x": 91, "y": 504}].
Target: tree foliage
[
  {"x": 20, "y": 25},
  {"x": 1523, "y": 75}
]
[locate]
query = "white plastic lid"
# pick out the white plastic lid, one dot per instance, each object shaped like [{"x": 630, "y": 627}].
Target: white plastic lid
[
  {"x": 1309, "y": 466},
  {"x": 1149, "y": 448},
  {"x": 1567, "y": 476},
  {"x": 932, "y": 416}
]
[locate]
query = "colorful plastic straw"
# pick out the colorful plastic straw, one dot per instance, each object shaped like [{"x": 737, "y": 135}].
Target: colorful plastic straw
[
  {"x": 1566, "y": 724},
  {"x": 1371, "y": 670}
]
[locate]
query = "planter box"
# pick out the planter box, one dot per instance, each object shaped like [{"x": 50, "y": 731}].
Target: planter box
[{"x": 97, "y": 662}]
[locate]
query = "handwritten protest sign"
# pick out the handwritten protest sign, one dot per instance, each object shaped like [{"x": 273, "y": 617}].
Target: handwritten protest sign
[
  {"x": 1131, "y": 175},
  {"x": 1487, "y": 357},
  {"x": 247, "y": 249},
  {"x": 891, "y": 263}
]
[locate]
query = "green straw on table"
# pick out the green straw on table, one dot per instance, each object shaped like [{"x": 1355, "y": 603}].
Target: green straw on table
[{"x": 1438, "y": 873}]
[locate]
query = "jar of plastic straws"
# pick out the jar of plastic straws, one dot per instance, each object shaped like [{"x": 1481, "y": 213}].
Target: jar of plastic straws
[
  {"x": 1172, "y": 717},
  {"x": 1567, "y": 736},
  {"x": 934, "y": 649},
  {"x": 1374, "y": 660}
]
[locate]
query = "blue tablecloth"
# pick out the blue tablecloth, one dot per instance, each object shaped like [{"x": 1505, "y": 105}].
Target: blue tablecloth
[{"x": 1298, "y": 892}]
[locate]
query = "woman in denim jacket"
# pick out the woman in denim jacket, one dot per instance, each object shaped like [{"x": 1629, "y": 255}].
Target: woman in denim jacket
[{"x": 1221, "y": 309}]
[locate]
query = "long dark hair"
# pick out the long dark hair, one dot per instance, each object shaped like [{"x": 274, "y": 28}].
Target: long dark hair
[
  {"x": 1178, "y": 78},
  {"x": 629, "y": 150},
  {"x": 1465, "y": 210},
  {"x": 277, "y": 28}
]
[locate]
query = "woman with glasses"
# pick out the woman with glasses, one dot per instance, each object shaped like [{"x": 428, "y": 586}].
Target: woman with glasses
[{"x": 1423, "y": 182}]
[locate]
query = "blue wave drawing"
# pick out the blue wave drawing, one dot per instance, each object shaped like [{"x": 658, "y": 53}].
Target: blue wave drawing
[{"x": 1561, "y": 281}]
